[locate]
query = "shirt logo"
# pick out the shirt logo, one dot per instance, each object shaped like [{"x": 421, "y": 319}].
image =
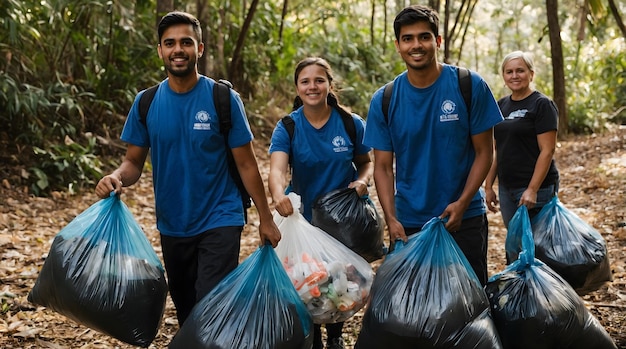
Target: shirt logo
[
  {"x": 202, "y": 121},
  {"x": 339, "y": 144},
  {"x": 518, "y": 114},
  {"x": 448, "y": 108}
]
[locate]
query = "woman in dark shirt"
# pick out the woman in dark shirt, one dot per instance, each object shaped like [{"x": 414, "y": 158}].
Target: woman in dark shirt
[{"x": 525, "y": 142}]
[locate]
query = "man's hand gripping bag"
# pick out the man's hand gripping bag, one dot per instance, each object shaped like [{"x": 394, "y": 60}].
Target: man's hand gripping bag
[{"x": 426, "y": 295}]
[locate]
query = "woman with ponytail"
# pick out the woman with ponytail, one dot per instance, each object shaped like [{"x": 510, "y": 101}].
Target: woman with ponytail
[{"x": 321, "y": 154}]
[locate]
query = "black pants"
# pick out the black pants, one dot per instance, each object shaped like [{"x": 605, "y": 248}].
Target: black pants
[
  {"x": 195, "y": 265},
  {"x": 472, "y": 240},
  {"x": 332, "y": 331}
]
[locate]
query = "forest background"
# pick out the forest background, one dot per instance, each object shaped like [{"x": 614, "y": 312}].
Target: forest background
[{"x": 69, "y": 70}]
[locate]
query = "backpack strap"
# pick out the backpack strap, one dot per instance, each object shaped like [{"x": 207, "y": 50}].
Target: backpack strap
[
  {"x": 465, "y": 85},
  {"x": 387, "y": 100},
  {"x": 221, "y": 99},
  {"x": 290, "y": 127},
  {"x": 348, "y": 124},
  {"x": 145, "y": 101}
]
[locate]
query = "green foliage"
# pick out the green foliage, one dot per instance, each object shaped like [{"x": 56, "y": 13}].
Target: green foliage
[
  {"x": 331, "y": 31},
  {"x": 68, "y": 166},
  {"x": 73, "y": 67},
  {"x": 597, "y": 88},
  {"x": 70, "y": 68}
]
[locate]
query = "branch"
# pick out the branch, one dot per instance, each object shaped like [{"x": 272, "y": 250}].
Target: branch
[
  {"x": 608, "y": 305},
  {"x": 618, "y": 18}
]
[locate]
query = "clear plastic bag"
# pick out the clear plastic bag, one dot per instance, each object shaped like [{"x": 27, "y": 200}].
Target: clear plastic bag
[
  {"x": 253, "y": 307},
  {"x": 332, "y": 280},
  {"x": 353, "y": 220},
  {"x": 569, "y": 246},
  {"x": 102, "y": 272},
  {"x": 426, "y": 295},
  {"x": 534, "y": 307}
]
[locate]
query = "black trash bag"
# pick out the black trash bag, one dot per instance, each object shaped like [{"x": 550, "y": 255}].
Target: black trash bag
[
  {"x": 353, "y": 220},
  {"x": 571, "y": 247},
  {"x": 426, "y": 295},
  {"x": 253, "y": 307},
  {"x": 102, "y": 272},
  {"x": 534, "y": 307}
]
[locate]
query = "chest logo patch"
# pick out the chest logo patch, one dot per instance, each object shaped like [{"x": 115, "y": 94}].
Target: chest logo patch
[
  {"x": 339, "y": 144},
  {"x": 448, "y": 108},
  {"x": 202, "y": 121},
  {"x": 518, "y": 114}
]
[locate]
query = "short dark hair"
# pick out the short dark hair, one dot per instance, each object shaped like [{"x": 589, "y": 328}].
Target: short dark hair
[
  {"x": 413, "y": 14},
  {"x": 179, "y": 17}
]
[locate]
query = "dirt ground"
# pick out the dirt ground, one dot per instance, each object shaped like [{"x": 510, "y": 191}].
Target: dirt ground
[{"x": 593, "y": 185}]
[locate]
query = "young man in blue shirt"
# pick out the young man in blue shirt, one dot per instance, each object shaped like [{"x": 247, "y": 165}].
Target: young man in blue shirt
[
  {"x": 442, "y": 150},
  {"x": 198, "y": 205}
]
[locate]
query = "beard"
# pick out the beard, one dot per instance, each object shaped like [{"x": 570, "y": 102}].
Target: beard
[
  {"x": 427, "y": 63},
  {"x": 181, "y": 71}
]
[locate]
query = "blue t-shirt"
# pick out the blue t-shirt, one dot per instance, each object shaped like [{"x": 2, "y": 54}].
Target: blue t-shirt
[
  {"x": 430, "y": 133},
  {"x": 322, "y": 159},
  {"x": 193, "y": 189}
]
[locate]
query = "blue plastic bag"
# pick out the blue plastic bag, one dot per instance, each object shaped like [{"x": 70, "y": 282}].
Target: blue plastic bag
[
  {"x": 426, "y": 295},
  {"x": 253, "y": 307},
  {"x": 102, "y": 272},
  {"x": 571, "y": 247},
  {"x": 353, "y": 220},
  {"x": 534, "y": 307}
]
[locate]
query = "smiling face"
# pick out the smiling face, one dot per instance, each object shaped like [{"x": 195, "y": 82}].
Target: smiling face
[
  {"x": 313, "y": 85},
  {"x": 417, "y": 45},
  {"x": 179, "y": 49},
  {"x": 517, "y": 76}
]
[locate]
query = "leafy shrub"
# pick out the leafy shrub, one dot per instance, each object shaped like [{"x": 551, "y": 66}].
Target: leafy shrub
[{"x": 68, "y": 166}]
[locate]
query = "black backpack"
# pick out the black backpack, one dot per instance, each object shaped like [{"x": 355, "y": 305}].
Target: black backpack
[
  {"x": 465, "y": 85},
  {"x": 348, "y": 123},
  {"x": 221, "y": 98}
]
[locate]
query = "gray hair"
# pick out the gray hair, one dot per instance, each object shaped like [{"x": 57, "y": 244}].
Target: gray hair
[{"x": 525, "y": 56}]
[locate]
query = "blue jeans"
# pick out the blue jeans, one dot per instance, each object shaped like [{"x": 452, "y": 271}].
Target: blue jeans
[{"x": 509, "y": 200}]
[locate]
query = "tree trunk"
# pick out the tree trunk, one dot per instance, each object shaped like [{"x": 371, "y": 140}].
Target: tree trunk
[
  {"x": 385, "y": 20},
  {"x": 372, "y": 16},
  {"x": 454, "y": 29},
  {"x": 558, "y": 74},
  {"x": 236, "y": 71},
  {"x": 283, "y": 15},
  {"x": 446, "y": 34},
  {"x": 163, "y": 7},
  {"x": 618, "y": 18},
  {"x": 584, "y": 10},
  {"x": 201, "y": 15}
]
